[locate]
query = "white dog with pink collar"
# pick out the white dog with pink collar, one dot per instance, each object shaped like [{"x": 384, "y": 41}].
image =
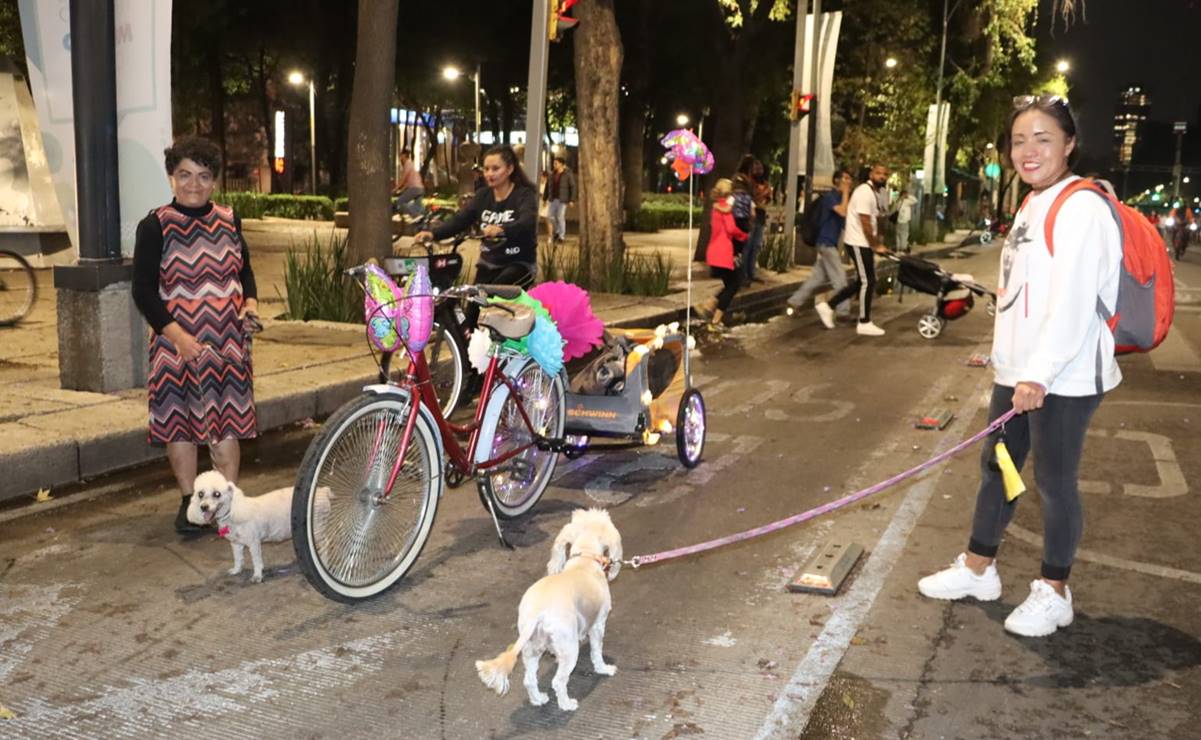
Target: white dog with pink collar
[{"x": 246, "y": 521}]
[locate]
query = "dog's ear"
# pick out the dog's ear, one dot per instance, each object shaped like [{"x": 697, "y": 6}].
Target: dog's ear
[
  {"x": 561, "y": 549},
  {"x": 612, "y": 542}
]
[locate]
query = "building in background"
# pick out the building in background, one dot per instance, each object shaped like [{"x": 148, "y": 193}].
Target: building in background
[{"x": 1134, "y": 106}]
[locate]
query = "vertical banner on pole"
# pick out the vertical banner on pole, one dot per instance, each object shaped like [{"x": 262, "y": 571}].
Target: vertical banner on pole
[
  {"x": 823, "y": 163},
  {"x": 935, "y": 177},
  {"x": 143, "y": 46}
]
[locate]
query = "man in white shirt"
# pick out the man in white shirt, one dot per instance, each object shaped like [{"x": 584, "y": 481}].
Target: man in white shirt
[
  {"x": 904, "y": 217},
  {"x": 862, "y": 242}
]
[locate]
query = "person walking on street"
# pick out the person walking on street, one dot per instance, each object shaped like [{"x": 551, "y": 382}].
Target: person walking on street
[
  {"x": 193, "y": 283},
  {"x": 1054, "y": 360},
  {"x": 409, "y": 187},
  {"x": 720, "y": 252},
  {"x": 559, "y": 193},
  {"x": 744, "y": 215},
  {"x": 904, "y": 218},
  {"x": 827, "y": 268},
  {"x": 863, "y": 242}
]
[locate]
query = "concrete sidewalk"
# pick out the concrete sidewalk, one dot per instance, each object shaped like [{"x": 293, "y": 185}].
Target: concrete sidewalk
[{"x": 51, "y": 437}]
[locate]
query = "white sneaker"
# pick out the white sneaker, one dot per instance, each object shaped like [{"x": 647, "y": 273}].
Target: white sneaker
[
  {"x": 869, "y": 329},
  {"x": 1043, "y": 611},
  {"x": 825, "y": 313},
  {"x": 958, "y": 581}
]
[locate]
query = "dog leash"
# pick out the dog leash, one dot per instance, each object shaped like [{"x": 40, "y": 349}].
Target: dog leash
[{"x": 679, "y": 552}]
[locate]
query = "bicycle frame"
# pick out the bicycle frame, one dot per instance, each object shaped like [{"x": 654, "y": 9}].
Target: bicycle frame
[{"x": 418, "y": 382}]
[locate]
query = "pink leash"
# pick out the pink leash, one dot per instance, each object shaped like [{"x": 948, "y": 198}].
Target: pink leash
[{"x": 640, "y": 560}]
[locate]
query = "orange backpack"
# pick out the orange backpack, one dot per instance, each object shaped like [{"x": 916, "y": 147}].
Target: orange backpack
[{"x": 1147, "y": 288}]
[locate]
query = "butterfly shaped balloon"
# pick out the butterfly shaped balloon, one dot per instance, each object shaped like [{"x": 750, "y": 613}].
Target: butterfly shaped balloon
[
  {"x": 396, "y": 316},
  {"x": 688, "y": 154}
]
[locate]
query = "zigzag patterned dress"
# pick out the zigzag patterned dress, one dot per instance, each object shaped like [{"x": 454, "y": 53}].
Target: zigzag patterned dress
[{"x": 200, "y": 283}]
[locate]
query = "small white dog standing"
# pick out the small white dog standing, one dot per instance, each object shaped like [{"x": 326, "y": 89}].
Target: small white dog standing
[
  {"x": 246, "y": 521},
  {"x": 570, "y": 603}
]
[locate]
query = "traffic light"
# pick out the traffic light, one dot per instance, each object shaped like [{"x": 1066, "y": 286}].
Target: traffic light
[
  {"x": 558, "y": 21},
  {"x": 800, "y": 105}
]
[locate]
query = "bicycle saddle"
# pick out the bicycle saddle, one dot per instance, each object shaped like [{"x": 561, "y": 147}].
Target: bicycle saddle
[{"x": 509, "y": 325}]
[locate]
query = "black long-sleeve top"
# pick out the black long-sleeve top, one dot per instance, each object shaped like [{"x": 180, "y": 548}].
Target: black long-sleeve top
[
  {"x": 148, "y": 254},
  {"x": 516, "y": 214}
]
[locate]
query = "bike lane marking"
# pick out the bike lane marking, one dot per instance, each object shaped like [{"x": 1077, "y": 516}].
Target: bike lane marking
[{"x": 793, "y": 707}]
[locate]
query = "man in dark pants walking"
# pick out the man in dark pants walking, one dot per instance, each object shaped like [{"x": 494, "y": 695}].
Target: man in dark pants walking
[{"x": 862, "y": 241}]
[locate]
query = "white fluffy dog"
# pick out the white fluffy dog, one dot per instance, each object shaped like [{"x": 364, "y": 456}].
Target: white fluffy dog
[
  {"x": 246, "y": 521},
  {"x": 568, "y": 604}
]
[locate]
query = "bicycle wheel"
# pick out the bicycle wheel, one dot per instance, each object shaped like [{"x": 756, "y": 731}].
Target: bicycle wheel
[
  {"x": 354, "y": 539},
  {"x": 446, "y": 359},
  {"x": 18, "y": 288},
  {"x": 515, "y": 485}
]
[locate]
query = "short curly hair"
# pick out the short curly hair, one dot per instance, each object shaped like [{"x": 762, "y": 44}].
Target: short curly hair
[{"x": 196, "y": 148}]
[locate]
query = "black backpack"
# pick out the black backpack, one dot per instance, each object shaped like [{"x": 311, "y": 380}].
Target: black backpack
[{"x": 811, "y": 221}]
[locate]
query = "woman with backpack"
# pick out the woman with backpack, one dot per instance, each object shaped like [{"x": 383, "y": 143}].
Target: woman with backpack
[
  {"x": 1054, "y": 360},
  {"x": 719, "y": 253}
]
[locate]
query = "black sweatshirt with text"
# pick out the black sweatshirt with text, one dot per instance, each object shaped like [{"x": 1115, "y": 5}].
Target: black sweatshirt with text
[{"x": 516, "y": 214}]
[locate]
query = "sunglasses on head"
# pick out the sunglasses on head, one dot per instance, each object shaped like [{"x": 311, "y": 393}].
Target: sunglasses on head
[{"x": 1021, "y": 102}]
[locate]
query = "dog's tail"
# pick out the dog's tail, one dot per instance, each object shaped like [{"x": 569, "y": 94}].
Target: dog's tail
[{"x": 495, "y": 673}]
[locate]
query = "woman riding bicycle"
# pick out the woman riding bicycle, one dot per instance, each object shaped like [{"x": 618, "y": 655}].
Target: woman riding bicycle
[{"x": 507, "y": 211}]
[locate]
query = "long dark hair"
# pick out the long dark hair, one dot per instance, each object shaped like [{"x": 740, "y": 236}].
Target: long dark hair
[
  {"x": 509, "y": 157},
  {"x": 1061, "y": 112}
]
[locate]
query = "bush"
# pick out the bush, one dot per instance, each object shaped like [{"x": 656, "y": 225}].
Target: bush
[
  {"x": 663, "y": 212},
  {"x": 635, "y": 274},
  {"x": 317, "y": 285},
  {"x": 775, "y": 254},
  {"x": 257, "y": 205}
]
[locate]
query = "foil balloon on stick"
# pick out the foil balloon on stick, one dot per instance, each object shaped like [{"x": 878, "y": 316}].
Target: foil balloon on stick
[{"x": 688, "y": 154}]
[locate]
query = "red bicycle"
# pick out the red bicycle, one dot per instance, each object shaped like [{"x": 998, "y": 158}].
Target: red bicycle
[{"x": 370, "y": 482}]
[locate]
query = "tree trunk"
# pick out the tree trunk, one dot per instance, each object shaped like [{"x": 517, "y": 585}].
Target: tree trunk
[
  {"x": 633, "y": 133},
  {"x": 217, "y": 107},
  {"x": 637, "y": 40},
  {"x": 598, "y": 55},
  {"x": 367, "y": 147}
]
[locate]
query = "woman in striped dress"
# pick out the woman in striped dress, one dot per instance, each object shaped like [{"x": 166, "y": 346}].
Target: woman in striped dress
[{"x": 193, "y": 283}]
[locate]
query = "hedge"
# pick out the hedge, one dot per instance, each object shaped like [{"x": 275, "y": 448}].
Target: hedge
[
  {"x": 662, "y": 213},
  {"x": 257, "y": 205}
]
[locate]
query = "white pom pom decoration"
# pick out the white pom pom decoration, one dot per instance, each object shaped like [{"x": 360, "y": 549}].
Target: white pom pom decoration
[{"x": 477, "y": 350}]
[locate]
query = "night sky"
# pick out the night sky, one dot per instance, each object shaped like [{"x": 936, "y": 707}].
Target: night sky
[{"x": 1152, "y": 43}]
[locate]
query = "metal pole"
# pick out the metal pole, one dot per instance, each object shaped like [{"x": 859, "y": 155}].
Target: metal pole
[
  {"x": 313, "y": 135},
  {"x": 794, "y": 128},
  {"x": 811, "y": 146},
  {"x": 535, "y": 99},
  {"x": 1177, "y": 169},
  {"x": 94, "y": 92},
  {"x": 477, "y": 103},
  {"x": 936, "y": 192}
]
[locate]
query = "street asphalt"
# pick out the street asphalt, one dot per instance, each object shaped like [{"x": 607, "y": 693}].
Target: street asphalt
[{"x": 112, "y": 625}]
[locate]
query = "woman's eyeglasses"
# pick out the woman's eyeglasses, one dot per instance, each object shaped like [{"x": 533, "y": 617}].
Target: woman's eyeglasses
[{"x": 1021, "y": 102}]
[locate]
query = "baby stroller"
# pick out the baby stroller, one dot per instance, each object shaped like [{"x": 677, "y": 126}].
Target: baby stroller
[{"x": 954, "y": 292}]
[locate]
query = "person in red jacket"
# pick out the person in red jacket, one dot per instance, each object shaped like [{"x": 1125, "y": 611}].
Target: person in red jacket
[{"x": 723, "y": 232}]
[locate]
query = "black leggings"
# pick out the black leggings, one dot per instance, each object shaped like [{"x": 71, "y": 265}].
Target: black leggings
[
  {"x": 516, "y": 273},
  {"x": 1056, "y": 435},
  {"x": 864, "y": 284},
  {"x": 731, "y": 281}
]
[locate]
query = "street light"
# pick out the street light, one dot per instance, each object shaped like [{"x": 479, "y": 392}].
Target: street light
[
  {"x": 453, "y": 73},
  {"x": 890, "y": 62},
  {"x": 1062, "y": 66},
  {"x": 682, "y": 119},
  {"x": 298, "y": 79}
]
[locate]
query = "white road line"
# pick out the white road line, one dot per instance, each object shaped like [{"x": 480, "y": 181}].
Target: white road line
[
  {"x": 1162, "y": 571},
  {"x": 795, "y": 703}
]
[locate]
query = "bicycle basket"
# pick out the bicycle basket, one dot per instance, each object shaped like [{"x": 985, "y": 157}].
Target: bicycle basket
[{"x": 396, "y": 316}]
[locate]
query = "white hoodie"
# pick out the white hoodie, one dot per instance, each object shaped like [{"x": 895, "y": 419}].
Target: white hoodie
[{"x": 1048, "y": 330}]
